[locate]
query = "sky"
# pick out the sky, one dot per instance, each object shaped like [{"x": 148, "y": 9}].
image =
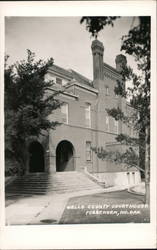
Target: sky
[{"x": 64, "y": 39}]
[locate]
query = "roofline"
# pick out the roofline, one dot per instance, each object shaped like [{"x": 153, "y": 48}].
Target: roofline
[
  {"x": 89, "y": 88},
  {"x": 65, "y": 93},
  {"x": 70, "y": 94},
  {"x": 112, "y": 70},
  {"x": 66, "y": 73},
  {"x": 84, "y": 77}
]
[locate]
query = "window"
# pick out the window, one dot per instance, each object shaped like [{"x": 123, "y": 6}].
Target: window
[
  {"x": 64, "y": 111},
  {"x": 107, "y": 123},
  {"x": 116, "y": 126},
  {"x": 107, "y": 90},
  {"x": 88, "y": 115},
  {"x": 58, "y": 80},
  {"x": 88, "y": 151}
]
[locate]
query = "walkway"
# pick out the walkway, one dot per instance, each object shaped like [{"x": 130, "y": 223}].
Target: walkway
[
  {"x": 24, "y": 210},
  {"x": 54, "y": 208}
]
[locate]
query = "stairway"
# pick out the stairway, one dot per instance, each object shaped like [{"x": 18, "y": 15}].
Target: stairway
[{"x": 42, "y": 183}]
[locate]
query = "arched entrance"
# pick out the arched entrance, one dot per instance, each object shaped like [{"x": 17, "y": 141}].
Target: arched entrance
[
  {"x": 36, "y": 158},
  {"x": 65, "y": 156}
]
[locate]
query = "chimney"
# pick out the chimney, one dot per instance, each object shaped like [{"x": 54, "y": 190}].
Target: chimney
[
  {"x": 121, "y": 62},
  {"x": 98, "y": 65}
]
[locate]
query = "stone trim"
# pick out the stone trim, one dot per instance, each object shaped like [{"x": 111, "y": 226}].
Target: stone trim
[
  {"x": 111, "y": 73},
  {"x": 87, "y": 88},
  {"x": 92, "y": 129},
  {"x": 73, "y": 96},
  {"x": 70, "y": 95}
]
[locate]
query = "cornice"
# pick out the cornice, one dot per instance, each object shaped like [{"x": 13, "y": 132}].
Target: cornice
[
  {"x": 111, "y": 73},
  {"x": 60, "y": 74},
  {"x": 64, "y": 93},
  {"x": 90, "y": 89}
]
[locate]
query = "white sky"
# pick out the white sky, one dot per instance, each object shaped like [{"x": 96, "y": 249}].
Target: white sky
[{"x": 64, "y": 39}]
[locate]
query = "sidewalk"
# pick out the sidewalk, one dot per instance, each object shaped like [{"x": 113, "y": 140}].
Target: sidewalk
[
  {"x": 138, "y": 189},
  {"x": 52, "y": 208},
  {"x": 31, "y": 210},
  {"x": 41, "y": 209}
]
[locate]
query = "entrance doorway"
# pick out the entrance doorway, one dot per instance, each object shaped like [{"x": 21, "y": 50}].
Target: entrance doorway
[
  {"x": 65, "y": 157},
  {"x": 36, "y": 158}
]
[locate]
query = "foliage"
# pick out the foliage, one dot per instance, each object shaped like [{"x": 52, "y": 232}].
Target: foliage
[
  {"x": 137, "y": 44},
  {"x": 129, "y": 157},
  {"x": 27, "y": 104},
  {"x": 96, "y": 23},
  {"x": 127, "y": 140}
]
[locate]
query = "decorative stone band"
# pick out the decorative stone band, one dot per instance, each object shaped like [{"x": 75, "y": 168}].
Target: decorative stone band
[
  {"x": 111, "y": 73},
  {"x": 97, "y": 47}
]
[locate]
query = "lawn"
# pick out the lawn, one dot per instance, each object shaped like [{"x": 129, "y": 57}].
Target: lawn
[{"x": 114, "y": 207}]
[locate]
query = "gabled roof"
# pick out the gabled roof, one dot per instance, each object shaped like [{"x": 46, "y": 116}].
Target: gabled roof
[
  {"x": 112, "y": 71},
  {"x": 111, "y": 68},
  {"x": 61, "y": 71},
  {"x": 71, "y": 75},
  {"x": 80, "y": 78}
]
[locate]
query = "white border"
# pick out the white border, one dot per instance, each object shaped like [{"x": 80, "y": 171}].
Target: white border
[{"x": 82, "y": 236}]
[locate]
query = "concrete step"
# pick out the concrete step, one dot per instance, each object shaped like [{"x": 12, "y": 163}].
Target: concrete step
[{"x": 60, "y": 182}]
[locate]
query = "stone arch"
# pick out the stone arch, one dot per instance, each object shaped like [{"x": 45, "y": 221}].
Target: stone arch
[
  {"x": 65, "y": 156},
  {"x": 36, "y": 157}
]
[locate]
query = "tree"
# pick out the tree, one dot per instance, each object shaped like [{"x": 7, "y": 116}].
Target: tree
[
  {"x": 27, "y": 105},
  {"x": 136, "y": 44}
]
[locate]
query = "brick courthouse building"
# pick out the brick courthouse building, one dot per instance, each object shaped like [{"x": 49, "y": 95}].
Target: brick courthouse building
[{"x": 85, "y": 124}]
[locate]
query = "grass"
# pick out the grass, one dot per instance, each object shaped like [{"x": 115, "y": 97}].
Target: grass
[{"x": 115, "y": 207}]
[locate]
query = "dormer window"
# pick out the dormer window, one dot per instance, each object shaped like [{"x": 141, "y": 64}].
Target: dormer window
[{"x": 58, "y": 80}]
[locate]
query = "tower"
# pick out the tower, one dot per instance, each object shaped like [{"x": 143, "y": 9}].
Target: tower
[
  {"x": 98, "y": 67},
  {"x": 121, "y": 62},
  {"x": 98, "y": 82}
]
